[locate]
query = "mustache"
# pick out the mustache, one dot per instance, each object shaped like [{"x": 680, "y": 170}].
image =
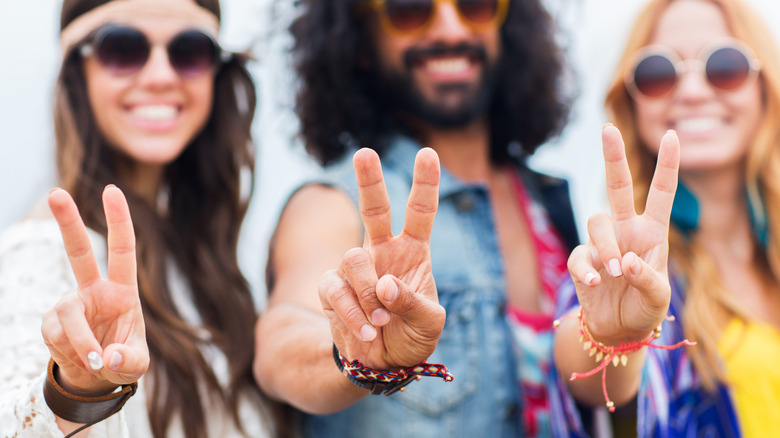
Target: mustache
[{"x": 415, "y": 55}]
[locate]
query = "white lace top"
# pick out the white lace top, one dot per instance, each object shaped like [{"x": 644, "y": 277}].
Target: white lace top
[{"x": 34, "y": 274}]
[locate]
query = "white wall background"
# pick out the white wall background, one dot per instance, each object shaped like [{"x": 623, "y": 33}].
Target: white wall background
[{"x": 29, "y": 59}]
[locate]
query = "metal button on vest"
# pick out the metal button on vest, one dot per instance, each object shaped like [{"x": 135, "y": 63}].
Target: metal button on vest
[{"x": 466, "y": 203}]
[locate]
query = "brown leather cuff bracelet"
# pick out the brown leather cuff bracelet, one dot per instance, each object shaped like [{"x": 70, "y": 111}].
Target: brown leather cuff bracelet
[{"x": 80, "y": 409}]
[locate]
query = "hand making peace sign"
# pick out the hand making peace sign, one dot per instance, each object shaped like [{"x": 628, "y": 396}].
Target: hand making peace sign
[
  {"x": 621, "y": 274},
  {"x": 96, "y": 334},
  {"x": 381, "y": 301}
]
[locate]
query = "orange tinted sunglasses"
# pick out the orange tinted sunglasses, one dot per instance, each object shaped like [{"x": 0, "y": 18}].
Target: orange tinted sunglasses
[{"x": 413, "y": 16}]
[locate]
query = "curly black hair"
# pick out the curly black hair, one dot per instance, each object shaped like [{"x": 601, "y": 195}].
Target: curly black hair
[{"x": 339, "y": 105}]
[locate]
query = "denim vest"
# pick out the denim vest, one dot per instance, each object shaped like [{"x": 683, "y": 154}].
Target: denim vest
[{"x": 484, "y": 399}]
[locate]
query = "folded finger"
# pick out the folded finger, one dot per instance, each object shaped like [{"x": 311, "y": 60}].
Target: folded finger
[
  {"x": 342, "y": 307},
  {"x": 71, "y": 314},
  {"x": 374, "y": 203},
  {"x": 424, "y": 196},
  {"x": 581, "y": 267},
  {"x": 121, "y": 238},
  {"x": 74, "y": 236},
  {"x": 601, "y": 232},
  {"x": 357, "y": 268}
]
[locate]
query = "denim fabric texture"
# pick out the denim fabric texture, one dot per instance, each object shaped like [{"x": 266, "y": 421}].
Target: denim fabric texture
[{"x": 484, "y": 399}]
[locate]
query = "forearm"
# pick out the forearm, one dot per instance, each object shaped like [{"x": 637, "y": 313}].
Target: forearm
[
  {"x": 622, "y": 382},
  {"x": 294, "y": 361}
]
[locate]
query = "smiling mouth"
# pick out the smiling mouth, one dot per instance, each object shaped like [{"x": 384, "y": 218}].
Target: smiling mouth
[
  {"x": 155, "y": 113},
  {"x": 697, "y": 125},
  {"x": 447, "y": 65}
]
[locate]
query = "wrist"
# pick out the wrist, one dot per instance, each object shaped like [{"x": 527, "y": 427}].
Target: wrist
[
  {"x": 85, "y": 385},
  {"x": 79, "y": 409},
  {"x": 386, "y": 381}
]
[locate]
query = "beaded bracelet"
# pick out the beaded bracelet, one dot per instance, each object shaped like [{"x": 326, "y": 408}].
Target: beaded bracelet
[
  {"x": 387, "y": 382},
  {"x": 615, "y": 354}
]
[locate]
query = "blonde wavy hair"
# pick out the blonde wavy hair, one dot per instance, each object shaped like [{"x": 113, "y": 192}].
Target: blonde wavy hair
[{"x": 708, "y": 303}]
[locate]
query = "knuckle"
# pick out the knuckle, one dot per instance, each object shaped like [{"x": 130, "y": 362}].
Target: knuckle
[
  {"x": 368, "y": 294},
  {"x": 355, "y": 258},
  {"x": 353, "y": 316},
  {"x": 66, "y": 304}
]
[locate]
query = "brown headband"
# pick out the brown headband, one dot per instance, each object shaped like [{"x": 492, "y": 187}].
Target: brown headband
[{"x": 121, "y": 10}]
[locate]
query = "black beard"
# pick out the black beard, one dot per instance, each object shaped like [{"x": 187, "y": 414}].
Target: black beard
[{"x": 399, "y": 91}]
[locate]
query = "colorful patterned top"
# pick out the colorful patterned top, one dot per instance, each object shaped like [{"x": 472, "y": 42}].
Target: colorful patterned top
[
  {"x": 670, "y": 402},
  {"x": 533, "y": 332}
]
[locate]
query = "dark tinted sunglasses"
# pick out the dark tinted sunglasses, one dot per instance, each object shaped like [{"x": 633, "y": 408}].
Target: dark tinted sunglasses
[
  {"x": 410, "y": 16},
  {"x": 124, "y": 50},
  {"x": 727, "y": 66}
]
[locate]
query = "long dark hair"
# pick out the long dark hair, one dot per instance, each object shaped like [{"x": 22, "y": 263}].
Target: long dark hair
[
  {"x": 338, "y": 99},
  {"x": 196, "y": 231}
]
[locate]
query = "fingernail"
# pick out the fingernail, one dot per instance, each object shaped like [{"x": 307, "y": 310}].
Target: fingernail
[
  {"x": 380, "y": 317},
  {"x": 589, "y": 277},
  {"x": 368, "y": 333},
  {"x": 392, "y": 291},
  {"x": 614, "y": 268},
  {"x": 634, "y": 266},
  {"x": 116, "y": 360},
  {"x": 95, "y": 360}
]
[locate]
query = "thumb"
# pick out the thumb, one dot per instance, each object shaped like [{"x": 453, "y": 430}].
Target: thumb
[
  {"x": 653, "y": 284},
  {"x": 125, "y": 363},
  {"x": 425, "y": 315}
]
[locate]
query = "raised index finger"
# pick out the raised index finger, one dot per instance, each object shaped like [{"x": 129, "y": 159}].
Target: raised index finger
[
  {"x": 373, "y": 201},
  {"x": 660, "y": 198},
  {"x": 620, "y": 192},
  {"x": 424, "y": 196},
  {"x": 121, "y": 238},
  {"x": 74, "y": 236}
]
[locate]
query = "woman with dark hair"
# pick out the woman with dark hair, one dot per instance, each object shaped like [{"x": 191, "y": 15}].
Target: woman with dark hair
[{"x": 147, "y": 103}]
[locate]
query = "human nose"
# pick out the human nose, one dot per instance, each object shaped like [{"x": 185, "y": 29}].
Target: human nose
[
  {"x": 158, "y": 72},
  {"x": 693, "y": 83},
  {"x": 446, "y": 24}
]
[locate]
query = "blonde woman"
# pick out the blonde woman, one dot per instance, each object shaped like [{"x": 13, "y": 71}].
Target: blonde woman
[{"x": 707, "y": 69}]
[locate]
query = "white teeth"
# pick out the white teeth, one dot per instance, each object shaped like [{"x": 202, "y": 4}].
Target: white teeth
[
  {"x": 449, "y": 65},
  {"x": 699, "y": 124},
  {"x": 155, "y": 112}
]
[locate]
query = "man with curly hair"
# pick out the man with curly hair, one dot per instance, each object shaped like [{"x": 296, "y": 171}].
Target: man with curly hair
[{"x": 480, "y": 83}]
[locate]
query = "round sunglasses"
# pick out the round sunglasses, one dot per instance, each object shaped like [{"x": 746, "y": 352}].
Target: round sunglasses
[
  {"x": 727, "y": 65},
  {"x": 413, "y": 16},
  {"x": 124, "y": 50}
]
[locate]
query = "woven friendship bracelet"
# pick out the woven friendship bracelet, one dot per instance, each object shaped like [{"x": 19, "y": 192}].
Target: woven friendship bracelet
[
  {"x": 80, "y": 409},
  {"x": 616, "y": 354},
  {"x": 387, "y": 382}
]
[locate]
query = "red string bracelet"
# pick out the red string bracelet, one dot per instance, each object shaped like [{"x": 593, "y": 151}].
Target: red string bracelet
[{"x": 615, "y": 354}]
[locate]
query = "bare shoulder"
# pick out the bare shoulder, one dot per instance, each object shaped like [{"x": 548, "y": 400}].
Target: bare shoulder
[
  {"x": 319, "y": 214},
  {"x": 317, "y": 226}
]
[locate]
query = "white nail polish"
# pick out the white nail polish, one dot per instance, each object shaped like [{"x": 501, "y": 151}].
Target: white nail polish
[
  {"x": 95, "y": 360},
  {"x": 589, "y": 278},
  {"x": 614, "y": 268}
]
